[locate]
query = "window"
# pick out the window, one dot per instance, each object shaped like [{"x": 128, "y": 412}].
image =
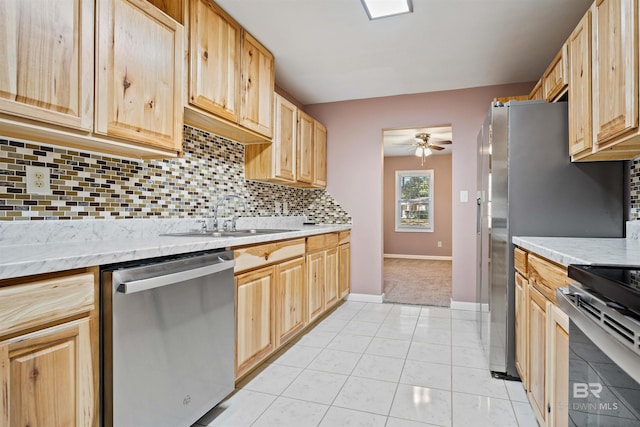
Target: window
[{"x": 414, "y": 201}]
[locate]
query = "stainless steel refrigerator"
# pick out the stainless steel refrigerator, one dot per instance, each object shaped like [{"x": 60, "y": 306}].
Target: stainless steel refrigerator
[{"x": 527, "y": 186}]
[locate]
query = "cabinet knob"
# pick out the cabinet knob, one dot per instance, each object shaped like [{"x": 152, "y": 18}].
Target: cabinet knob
[{"x": 266, "y": 256}]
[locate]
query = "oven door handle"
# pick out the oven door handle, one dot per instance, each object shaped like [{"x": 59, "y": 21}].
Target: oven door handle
[{"x": 140, "y": 285}]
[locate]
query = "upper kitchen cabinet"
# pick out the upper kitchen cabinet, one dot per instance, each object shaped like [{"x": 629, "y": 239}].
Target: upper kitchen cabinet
[
  {"x": 319, "y": 155},
  {"x": 231, "y": 75},
  {"x": 139, "y": 76},
  {"x": 555, "y": 78},
  {"x": 276, "y": 162},
  {"x": 214, "y": 68},
  {"x": 58, "y": 54},
  {"x": 47, "y": 53},
  {"x": 615, "y": 81},
  {"x": 537, "y": 92},
  {"x": 258, "y": 84},
  {"x": 580, "y": 122},
  {"x": 305, "y": 150}
]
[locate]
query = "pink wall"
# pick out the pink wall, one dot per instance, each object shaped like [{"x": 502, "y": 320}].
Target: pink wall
[
  {"x": 355, "y": 170},
  {"x": 419, "y": 243}
]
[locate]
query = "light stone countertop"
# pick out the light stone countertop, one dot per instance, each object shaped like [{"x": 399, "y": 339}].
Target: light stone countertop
[
  {"x": 581, "y": 250},
  {"x": 27, "y": 249}
]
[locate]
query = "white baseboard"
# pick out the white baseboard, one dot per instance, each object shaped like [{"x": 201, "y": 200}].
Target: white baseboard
[
  {"x": 365, "y": 298},
  {"x": 461, "y": 305},
  {"x": 427, "y": 257}
]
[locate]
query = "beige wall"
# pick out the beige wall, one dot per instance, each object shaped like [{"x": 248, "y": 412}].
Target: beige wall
[
  {"x": 354, "y": 168},
  {"x": 404, "y": 243}
]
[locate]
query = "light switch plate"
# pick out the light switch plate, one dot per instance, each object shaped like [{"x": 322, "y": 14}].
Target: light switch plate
[
  {"x": 464, "y": 196},
  {"x": 38, "y": 180}
]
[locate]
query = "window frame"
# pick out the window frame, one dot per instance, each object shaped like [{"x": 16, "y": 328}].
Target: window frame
[{"x": 428, "y": 173}]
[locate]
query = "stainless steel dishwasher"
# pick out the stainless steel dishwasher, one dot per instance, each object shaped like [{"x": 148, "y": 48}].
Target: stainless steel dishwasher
[{"x": 167, "y": 339}]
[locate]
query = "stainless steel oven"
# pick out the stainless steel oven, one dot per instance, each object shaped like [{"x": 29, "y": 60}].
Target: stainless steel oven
[
  {"x": 604, "y": 346},
  {"x": 167, "y": 339}
]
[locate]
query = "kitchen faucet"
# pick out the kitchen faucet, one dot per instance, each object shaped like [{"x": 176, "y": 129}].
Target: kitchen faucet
[{"x": 234, "y": 218}]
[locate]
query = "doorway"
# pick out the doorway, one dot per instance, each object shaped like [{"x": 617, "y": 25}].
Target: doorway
[{"x": 417, "y": 215}]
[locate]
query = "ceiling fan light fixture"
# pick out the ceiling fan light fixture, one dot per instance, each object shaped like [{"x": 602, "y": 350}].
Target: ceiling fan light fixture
[{"x": 383, "y": 8}]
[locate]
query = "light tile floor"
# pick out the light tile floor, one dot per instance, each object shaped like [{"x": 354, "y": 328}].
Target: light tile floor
[{"x": 380, "y": 365}]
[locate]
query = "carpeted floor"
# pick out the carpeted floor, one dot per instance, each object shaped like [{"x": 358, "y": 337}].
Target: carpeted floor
[{"x": 416, "y": 281}]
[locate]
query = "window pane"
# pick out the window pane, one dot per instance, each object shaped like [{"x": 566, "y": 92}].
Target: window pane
[
  {"x": 414, "y": 187},
  {"x": 414, "y": 214}
]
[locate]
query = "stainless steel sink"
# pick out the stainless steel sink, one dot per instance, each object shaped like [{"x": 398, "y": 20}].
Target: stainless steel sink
[{"x": 236, "y": 233}]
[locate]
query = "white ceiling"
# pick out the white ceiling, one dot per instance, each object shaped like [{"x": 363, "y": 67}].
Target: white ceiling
[
  {"x": 401, "y": 142},
  {"x": 328, "y": 50}
]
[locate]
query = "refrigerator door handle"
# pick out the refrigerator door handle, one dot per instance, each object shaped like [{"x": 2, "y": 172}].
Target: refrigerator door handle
[{"x": 478, "y": 216}]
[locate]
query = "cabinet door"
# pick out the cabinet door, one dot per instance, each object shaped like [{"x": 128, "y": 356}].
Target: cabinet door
[
  {"x": 537, "y": 322},
  {"x": 305, "y": 151},
  {"x": 254, "y": 320},
  {"x": 46, "y": 51},
  {"x": 139, "y": 76},
  {"x": 257, "y": 80},
  {"x": 580, "y": 123},
  {"x": 284, "y": 141},
  {"x": 290, "y": 299},
  {"x": 344, "y": 264},
  {"x": 537, "y": 93},
  {"x": 315, "y": 285},
  {"x": 47, "y": 378},
  {"x": 557, "y": 367},
  {"x": 214, "y": 69},
  {"x": 331, "y": 291},
  {"x": 319, "y": 155},
  {"x": 521, "y": 328},
  {"x": 554, "y": 80},
  {"x": 615, "y": 73}
]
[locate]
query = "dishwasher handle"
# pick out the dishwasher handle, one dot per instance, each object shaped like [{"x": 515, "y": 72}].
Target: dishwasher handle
[{"x": 140, "y": 285}]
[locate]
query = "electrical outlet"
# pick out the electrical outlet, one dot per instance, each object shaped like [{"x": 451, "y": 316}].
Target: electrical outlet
[
  {"x": 439, "y": 243},
  {"x": 38, "y": 180}
]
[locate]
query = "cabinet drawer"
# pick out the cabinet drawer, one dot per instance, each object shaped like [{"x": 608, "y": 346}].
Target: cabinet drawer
[
  {"x": 344, "y": 237},
  {"x": 23, "y": 306},
  {"x": 546, "y": 277},
  {"x": 250, "y": 257},
  {"x": 520, "y": 260},
  {"x": 322, "y": 241}
]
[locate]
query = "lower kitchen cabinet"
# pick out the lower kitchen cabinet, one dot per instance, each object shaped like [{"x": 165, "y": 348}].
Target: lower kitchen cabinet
[
  {"x": 49, "y": 369},
  {"x": 315, "y": 285},
  {"x": 255, "y": 337},
  {"x": 331, "y": 277},
  {"x": 290, "y": 299},
  {"x": 344, "y": 266},
  {"x": 542, "y": 337},
  {"x": 537, "y": 314}
]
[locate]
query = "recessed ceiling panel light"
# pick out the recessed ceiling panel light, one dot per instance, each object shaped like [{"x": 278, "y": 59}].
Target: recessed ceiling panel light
[{"x": 382, "y": 8}]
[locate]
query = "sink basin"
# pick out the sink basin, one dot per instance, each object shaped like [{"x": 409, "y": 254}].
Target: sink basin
[{"x": 236, "y": 233}]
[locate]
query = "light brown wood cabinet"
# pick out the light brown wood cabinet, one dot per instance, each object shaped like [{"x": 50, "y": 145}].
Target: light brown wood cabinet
[
  {"x": 270, "y": 299},
  {"x": 48, "y": 63},
  {"x": 305, "y": 149},
  {"x": 315, "y": 285},
  {"x": 344, "y": 264},
  {"x": 231, "y": 75},
  {"x": 49, "y": 350},
  {"x": 557, "y": 366},
  {"x": 331, "y": 290},
  {"x": 139, "y": 75},
  {"x": 290, "y": 299},
  {"x": 47, "y": 95},
  {"x": 255, "y": 337},
  {"x": 537, "y": 335},
  {"x": 257, "y": 86},
  {"x": 580, "y": 99},
  {"x": 542, "y": 337},
  {"x": 555, "y": 78},
  {"x": 276, "y": 162},
  {"x": 319, "y": 154},
  {"x": 537, "y": 92}
]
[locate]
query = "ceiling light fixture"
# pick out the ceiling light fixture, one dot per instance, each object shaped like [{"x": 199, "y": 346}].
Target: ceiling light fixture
[
  {"x": 382, "y": 8},
  {"x": 423, "y": 151}
]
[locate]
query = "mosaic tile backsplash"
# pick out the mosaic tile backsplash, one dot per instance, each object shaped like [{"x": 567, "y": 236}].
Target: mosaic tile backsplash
[
  {"x": 93, "y": 186},
  {"x": 634, "y": 187}
]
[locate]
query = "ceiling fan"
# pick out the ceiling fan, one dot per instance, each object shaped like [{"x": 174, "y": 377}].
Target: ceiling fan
[{"x": 424, "y": 147}]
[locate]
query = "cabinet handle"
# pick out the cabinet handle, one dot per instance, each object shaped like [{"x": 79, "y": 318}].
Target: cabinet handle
[{"x": 266, "y": 256}]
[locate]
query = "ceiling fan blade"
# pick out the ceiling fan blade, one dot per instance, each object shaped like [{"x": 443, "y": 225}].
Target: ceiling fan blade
[
  {"x": 435, "y": 147},
  {"x": 406, "y": 144},
  {"x": 441, "y": 142}
]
